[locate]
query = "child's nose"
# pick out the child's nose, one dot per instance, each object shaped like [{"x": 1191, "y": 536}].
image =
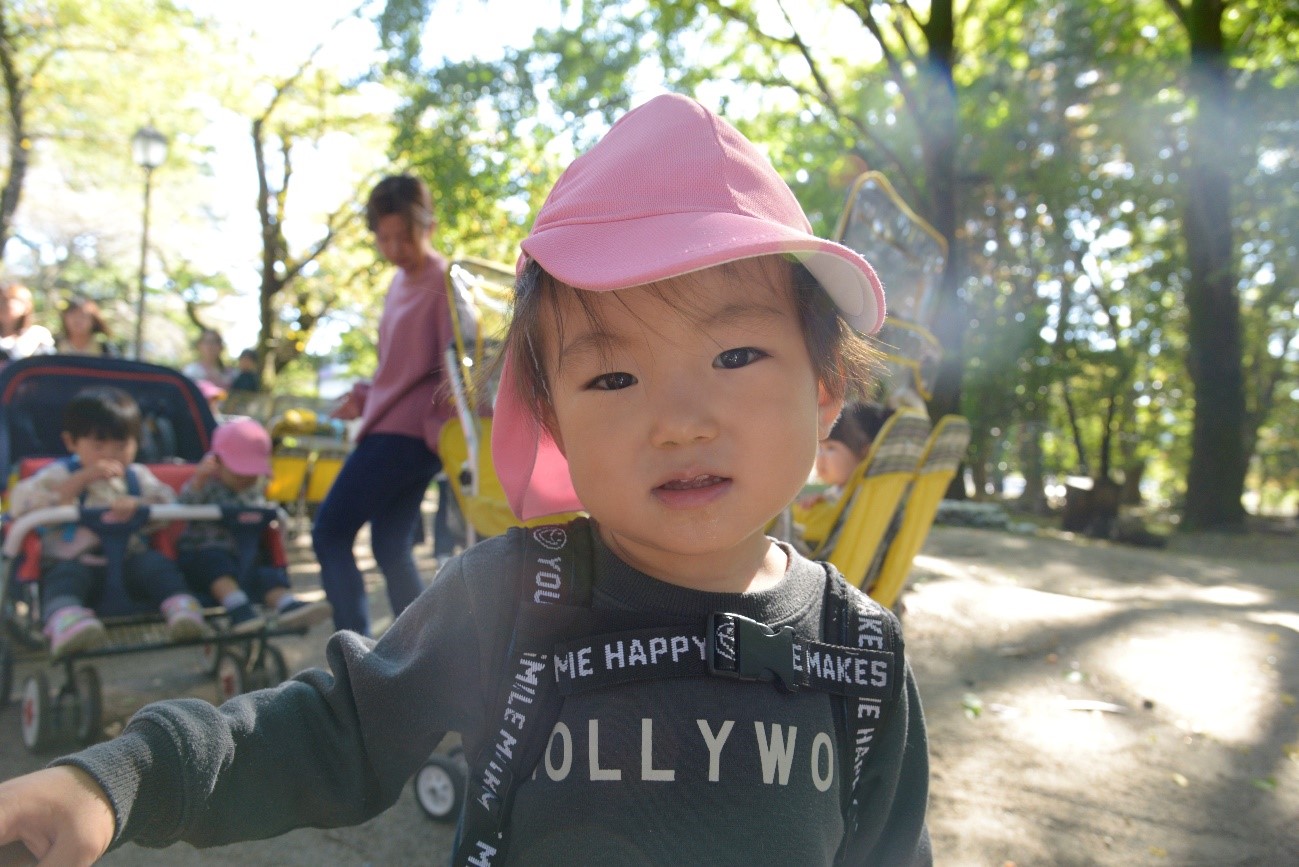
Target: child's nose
[{"x": 683, "y": 414}]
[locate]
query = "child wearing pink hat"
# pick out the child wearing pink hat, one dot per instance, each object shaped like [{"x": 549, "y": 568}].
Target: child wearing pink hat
[
  {"x": 658, "y": 683},
  {"x": 234, "y": 473}
]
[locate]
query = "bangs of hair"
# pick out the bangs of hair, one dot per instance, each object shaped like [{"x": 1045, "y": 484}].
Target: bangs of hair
[{"x": 841, "y": 359}]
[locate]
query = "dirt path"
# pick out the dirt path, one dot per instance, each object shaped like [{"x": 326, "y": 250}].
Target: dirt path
[
  {"x": 1190, "y": 657},
  {"x": 1088, "y": 704}
]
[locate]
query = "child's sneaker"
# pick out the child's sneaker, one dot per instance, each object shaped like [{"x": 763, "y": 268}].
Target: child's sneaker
[
  {"x": 299, "y": 614},
  {"x": 184, "y": 617},
  {"x": 243, "y": 618},
  {"x": 72, "y": 629}
]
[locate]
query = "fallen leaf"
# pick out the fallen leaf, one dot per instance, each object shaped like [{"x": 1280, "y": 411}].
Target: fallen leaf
[
  {"x": 1291, "y": 751},
  {"x": 1287, "y": 699},
  {"x": 1267, "y": 784},
  {"x": 1074, "y": 676},
  {"x": 972, "y": 704},
  {"x": 1090, "y": 704},
  {"x": 1159, "y": 851},
  {"x": 1181, "y": 780}
]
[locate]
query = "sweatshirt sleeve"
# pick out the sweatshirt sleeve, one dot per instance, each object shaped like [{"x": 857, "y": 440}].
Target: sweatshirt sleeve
[
  {"x": 39, "y": 491},
  {"x": 324, "y": 749}
]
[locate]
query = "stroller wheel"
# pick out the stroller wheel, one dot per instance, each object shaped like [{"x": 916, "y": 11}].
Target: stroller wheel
[
  {"x": 230, "y": 674},
  {"x": 37, "y": 712},
  {"x": 439, "y": 788},
  {"x": 89, "y": 695},
  {"x": 6, "y": 671}
]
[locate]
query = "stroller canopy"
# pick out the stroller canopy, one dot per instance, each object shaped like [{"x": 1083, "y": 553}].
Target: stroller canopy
[{"x": 177, "y": 421}]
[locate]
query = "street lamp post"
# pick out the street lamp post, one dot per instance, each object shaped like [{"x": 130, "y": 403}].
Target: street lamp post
[{"x": 149, "y": 148}]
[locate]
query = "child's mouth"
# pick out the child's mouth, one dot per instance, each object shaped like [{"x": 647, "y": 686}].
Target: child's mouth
[{"x": 702, "y": 481}]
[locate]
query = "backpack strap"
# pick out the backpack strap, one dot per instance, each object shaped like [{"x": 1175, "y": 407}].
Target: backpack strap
[
  {"x": 861, "y": 623},
  {"x": 554, "y": 599}
]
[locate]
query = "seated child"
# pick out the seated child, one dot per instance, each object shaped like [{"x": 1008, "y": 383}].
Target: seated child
[
  {"x": 101, "y": 429},
  {"x": 837, "y": 456},
  {"x": 233, "y": 474}
]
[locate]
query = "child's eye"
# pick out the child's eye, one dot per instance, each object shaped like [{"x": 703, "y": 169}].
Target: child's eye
[
  {"x": 742, "y": 357},
  {"x": 611, "y": 381}
]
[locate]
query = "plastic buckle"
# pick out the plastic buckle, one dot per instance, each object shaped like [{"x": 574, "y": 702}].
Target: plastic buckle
[{"x": 744, "y": 649}]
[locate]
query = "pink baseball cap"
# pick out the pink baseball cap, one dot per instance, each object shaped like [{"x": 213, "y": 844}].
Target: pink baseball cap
[
  {"x": 244, "y": 447},
  {"x": 670, "y": 189}
]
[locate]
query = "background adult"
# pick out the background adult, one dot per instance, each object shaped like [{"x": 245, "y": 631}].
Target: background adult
[
  {"x": 211, "y": 365},
  {"x": 20, "y": 336},
  {"x": 402, "y": 410},
  {"x": 83, "y": 329},
  {"x": 247, "y": 378}
]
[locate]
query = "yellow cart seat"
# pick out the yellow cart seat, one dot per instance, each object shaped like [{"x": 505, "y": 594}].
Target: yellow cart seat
[
  {"x": 873, "y": 494},
  {"x": 288, "y": 474},
  {"x": 943, "y": 455}
]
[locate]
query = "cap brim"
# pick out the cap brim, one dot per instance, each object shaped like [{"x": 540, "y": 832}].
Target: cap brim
[{"x": 607, "y": 256}]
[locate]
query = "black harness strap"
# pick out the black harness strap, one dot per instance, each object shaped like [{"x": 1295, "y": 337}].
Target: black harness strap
[
  {"x": 561, "y": 647},
  {"x": 556, "y": 599}
]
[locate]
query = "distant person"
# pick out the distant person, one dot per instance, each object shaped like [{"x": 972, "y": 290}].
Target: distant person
[
  {"x": 211, "y": 364},
  {"x": 20, "y": 336},
  {"x": 837, "y": 456},
  {"x": 385, "y": 477},
  {"x": 234, "y": 474},
  {"x": 84, "y": 331},
  {"x": 101, "y": 430},
  {"x": 248, "y": 378}
]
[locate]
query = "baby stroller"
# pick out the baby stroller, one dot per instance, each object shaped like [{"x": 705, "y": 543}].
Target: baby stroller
[{"x": 176, "y": 431}]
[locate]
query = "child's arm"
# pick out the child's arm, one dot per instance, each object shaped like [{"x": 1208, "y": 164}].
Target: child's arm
[
  {"x": 55, "y": 486},
  {"x": 60, "y": 814},
  {"x": 328, "y": 748}
]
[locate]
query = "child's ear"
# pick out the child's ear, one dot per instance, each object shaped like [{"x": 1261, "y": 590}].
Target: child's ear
[
  {"x": 69, "y": 442},
  {"x": 827, "y": 410}
]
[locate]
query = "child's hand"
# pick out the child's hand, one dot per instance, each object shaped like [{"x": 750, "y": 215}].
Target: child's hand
[
  {"x": 123, "y": 508},
  {"x": 59, "y": 814},
  {"x": 206, "y": 469},
  {"x": 101, "y": 470}
]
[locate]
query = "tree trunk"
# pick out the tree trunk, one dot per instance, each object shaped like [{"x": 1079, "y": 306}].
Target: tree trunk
[
  {"x": 19, "y": 146},
  {"x": 1216, "y": 477}
]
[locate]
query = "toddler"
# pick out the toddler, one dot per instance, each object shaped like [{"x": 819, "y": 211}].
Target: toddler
[
  {"x": 658, "y": 684},
  {"x": 849, "y": 442},
  {"x": 101, "y": 429},
  {"x": 233, "y": 473}
]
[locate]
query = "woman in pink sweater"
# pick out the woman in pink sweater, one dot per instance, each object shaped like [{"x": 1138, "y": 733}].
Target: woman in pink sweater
[{"x": 385, "y": 477}]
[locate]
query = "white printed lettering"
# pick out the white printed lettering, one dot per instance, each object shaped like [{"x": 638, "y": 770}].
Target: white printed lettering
[
  {"x": 610, "y": 654},
  {"x": 822, "y": 743},
  {"x": 483, "y": 857},
  {"x": 566, "y": 750},
  {"x": 636, "y": 655},
  {"x": 593, "y": 756},
  {"x": 584, "y": 662},
  {"x": 715, "y": 744},
  {"x": 657, "y": 647},
  {"x": 776, "y": 755},
  {"x": 647, "y": 770},
  {"x": 680, "y": 647}
]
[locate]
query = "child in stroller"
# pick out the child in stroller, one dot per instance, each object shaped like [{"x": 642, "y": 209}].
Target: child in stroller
[
  {"x": 101, "y": 430},
  {"x": 233, "y": 473}
]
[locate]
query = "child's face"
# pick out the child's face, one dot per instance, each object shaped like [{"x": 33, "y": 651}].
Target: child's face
[
  {"x": 399, "y": 242},
  {"x": 234, "y": 481},
  {"x": 689, "y": 418},
  {"x": 91, "y": 450},
  {"x": 835, "y": 462},
  {"x": 77, "y": 322}
]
